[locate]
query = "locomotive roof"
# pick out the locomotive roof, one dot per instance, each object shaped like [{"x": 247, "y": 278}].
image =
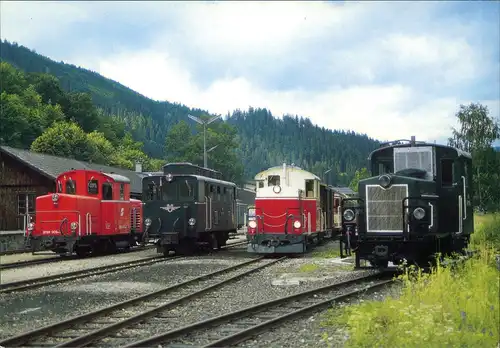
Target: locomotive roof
[
  {"x": 197, "y": 177},
  {"x": 279, "y": 170},
  {"x": 118, "y": 178},
  {"x": 460, "y": 153}
]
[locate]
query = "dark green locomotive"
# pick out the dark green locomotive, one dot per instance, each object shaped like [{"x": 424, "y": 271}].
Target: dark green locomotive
[
  {"x": 188, "y": 208},
  {"x": 417, "y": 203}
]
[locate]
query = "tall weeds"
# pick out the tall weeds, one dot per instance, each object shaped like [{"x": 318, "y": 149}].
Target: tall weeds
[{"x": 446, "y": 308}]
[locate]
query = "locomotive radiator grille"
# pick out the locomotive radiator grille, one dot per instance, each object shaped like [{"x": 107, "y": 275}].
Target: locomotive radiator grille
[
  {"x": 384, "y": 208},
  {"x": 135, "y": 219}
]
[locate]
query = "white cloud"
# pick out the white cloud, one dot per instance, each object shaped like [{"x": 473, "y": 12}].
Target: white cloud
[
  {"x": 380, "y": 111},
  {"x": 394, "y": 70}
]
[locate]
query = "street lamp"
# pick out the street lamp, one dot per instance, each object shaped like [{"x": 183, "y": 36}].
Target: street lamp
[
  {"x": 328, "y": 171},
  {"x": 210, "y": 149},
  {"x": 204, "y": 123}
]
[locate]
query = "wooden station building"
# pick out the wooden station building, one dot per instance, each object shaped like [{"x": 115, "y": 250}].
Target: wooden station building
[{"x": 24, "y": 175}]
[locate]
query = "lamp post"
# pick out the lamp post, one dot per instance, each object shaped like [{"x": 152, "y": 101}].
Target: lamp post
[
  {"x": 210, "y": 149},
  {"x": 328, "y": 171},
  {"x": 204, "y": 124}
]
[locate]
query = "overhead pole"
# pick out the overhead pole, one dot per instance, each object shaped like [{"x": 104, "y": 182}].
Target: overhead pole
[{"x": 204, "y": 124}]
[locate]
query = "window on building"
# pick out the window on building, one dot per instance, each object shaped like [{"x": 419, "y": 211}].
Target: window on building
[
  {"x": 107, "y": 192},
  {"x": 26, "y": 203},
  {"x": 273, "y": 180},
  {"x": 71, "y": 187},
  {"x": 447, "y": 172},
  {"x": 93, "y": 187},
  {"x": 122, "y": 192}
]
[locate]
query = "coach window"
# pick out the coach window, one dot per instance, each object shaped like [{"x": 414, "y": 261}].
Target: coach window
[
  {"x": 273, "y": 180},
  {"x": 225, "y": 194},
  {"x": 446, "y": 172},
  {"x": 93, "y": 187},
  {"x": 218, "y": 193},
  {"x": 70, "y": 187},
  {"x": 107, "y": 192}
]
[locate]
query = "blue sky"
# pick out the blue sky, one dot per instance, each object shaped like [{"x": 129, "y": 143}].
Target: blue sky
[{"x": 390, "y": 70}]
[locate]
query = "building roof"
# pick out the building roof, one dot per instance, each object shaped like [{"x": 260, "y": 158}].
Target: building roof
[
  {"x": 344, "y": 190},
  {"x": 51, "y": 166}
]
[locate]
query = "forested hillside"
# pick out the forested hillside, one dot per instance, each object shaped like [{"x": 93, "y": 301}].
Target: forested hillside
[{"x": 264, "y": 140}]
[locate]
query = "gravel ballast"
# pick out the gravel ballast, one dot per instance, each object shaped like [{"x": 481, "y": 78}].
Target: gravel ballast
[
  {"x": 32, "y": 309},
  {"x": 250, "y": 290},
  {"x": 36, "y": 271}
]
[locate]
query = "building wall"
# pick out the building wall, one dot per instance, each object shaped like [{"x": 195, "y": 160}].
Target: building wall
[{"x": 19, "y": 187}]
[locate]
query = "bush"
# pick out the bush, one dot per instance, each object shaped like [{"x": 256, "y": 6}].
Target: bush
[{"x": 456, "y": 308}]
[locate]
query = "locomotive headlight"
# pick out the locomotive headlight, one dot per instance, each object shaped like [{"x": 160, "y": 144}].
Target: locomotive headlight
[
  {"x": 55, "y": 197},
  {"x": 169, "y": 177},
  {"x": 147, "y": 222},
  {"x": 419, "y": 213},
  {"x": 385, "y": 181},
  {"x": 349, "y": 215},
  {"x": 31, "y": 226},
  {"x": 252, "y": 224},
  {"x": 74, "y": 225},
  {"x": 191, "y": 221},
  {"x": 297, "y": 224}
]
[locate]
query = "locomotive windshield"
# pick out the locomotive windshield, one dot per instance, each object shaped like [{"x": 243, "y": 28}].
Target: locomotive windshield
[
  {"x": 417, "y": 160},
  {"x": 181, "y": 189}
]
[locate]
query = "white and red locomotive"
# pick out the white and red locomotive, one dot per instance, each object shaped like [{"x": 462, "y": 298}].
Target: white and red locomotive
[
  {"x": 293, "y": 210},
  {"x": 90, "y": 211}
]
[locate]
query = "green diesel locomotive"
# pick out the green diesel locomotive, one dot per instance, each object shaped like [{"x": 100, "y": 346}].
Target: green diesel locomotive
[
  {"x": 418, "y": 202},
  {"x": 188, "y": 208}
]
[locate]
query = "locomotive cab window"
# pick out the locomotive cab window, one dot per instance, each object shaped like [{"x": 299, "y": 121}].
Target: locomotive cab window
[
  {"x": 273, "y": 180},
  {"x": 70, "y": 187},
  {"x": 446, "y": 172},
  {"x": 107, "y": 192},
  {"x": 186, "y": 190},
  {"x": 93, "y": 187},
  {"x": 309, "y": 188}
]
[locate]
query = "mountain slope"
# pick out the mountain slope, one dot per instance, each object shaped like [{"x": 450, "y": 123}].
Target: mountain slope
[{"x": 264, "y": 140}]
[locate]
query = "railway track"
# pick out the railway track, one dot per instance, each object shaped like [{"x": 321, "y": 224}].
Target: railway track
[
  {"x": 235, "y": 327},
  {"x": 100, "y": 327},
  {"x": 57, "y": 258},
  {"x": 29, "y": 284}
]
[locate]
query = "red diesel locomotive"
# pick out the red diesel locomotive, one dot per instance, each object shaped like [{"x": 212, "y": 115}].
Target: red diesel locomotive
[
  {"x": 293, "y": 211},
  {"x": 90, "y": 212}
]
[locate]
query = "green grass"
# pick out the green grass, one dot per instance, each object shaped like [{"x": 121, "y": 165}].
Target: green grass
[
  {"x": 326, "y": 254},
  {"x": 308, "y": 267},
  {"x": 447, "y": 308}
]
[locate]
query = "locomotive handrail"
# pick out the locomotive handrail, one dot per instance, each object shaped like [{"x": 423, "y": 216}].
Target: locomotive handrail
[
  {"x": 65, "y": 220},
  {"x": 286, "y": 221},
  {"x": 89, "y": 223},
  {"x": 159, "y": 225},
  {"x": 274, "y": 217},
  {"x": 464, "y": 199},
  {"x": 406, "y": 232},
  {"x": 206, "y": 214}
]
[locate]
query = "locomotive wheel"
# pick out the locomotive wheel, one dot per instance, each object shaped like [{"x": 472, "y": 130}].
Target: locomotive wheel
[{"x": 81, "y": 252}]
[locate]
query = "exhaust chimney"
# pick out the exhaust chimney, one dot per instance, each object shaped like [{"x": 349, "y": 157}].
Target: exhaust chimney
[
  {"x": 412, "y": 140},
  {"x": 138, "y": 167}
]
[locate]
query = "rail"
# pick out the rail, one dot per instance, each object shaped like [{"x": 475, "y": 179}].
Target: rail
[
  {"x": 237, "y": 326},
  {"x": 127, "y": 313}
]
